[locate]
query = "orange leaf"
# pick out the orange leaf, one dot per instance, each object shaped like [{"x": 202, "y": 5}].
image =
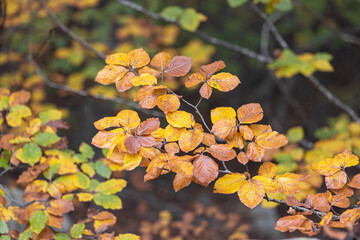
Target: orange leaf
[
  {"x": 19, "y": 98},
  {"x": 129, "y": 119},
  {"x": 355, "y": 182},
  {"x": 104, "y": 139},
  {"x": 222, "y": 152},
  {"x": 255, "y": 152},
  {"x": 110, "y": 74},
  {"x": 107, "y": 122},
  {"x": 271, "y": 140},
  {"x": 209, "y": 69},
  {"x": 290, "y": 223},
  {"x": 246, "y": 132},
  {"x": 237, "y": 141},
  {"x": 229, "y": 183},
  {"x": 148, "y": 126},
  {"x": 160, "y": 61},
  {"x": 194, "y": 79},
  {"x": 138, "y": 58},
  {"x": 318, "y": 201},
  {"x": 181, "y": 181},
  {"x": 179, "y": 66},
  {"x": 250, "y": 113},
  {"x": 251, "y": 193},
  {"x": 288, "y": 182},
  {"x": 209, "y": 139},
  {"x": 260, "y": 128},
  {"x": 350, "y": 216},
  {"x": 173, "y": 134},
  {"x": 182, "y": 167},
  {"x": 168, "y": 103},
  {"x": 205, "y": 169},
  {"x": 267, "y": 169},
  {"x": 224, "y": 129},
  {"x": 190, "y": 139},
  {"x": 242, "y": 158},
  {"x": 325, "y": 220},
  {"x": 336, "y": 181},
  {"x": 205, "y": 91},
  {"x": 124, "y": 83},
  {"x": 224, "y": 82}
]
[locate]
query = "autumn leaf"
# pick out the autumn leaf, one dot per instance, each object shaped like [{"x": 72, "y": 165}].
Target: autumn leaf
[
  {"x": 223, "y": 113},
  {"x": 224, "y": 129},
  {"x": 138, "y": 58},
  {"x": 179, "y": 66},
  {"x": 144, "y": 80},
  {"x": 128, "y": 119},
  {"x": 229, "y": 183},
  {"x": 190, "y": 139},
  {"x": 250, "y": 113},
  {"x": 168, "y": 103},
  {"x": 290, "y": 223},
  {"x": 160, "y": 61},
  {"x": 271, "y": 140},
  {"x": 251, "y": 193},
  {"x": 222, "y": 152},
  {"x": 205, "y": 169},
  {"x": 355, "y": 182},
  {"x": 180, "y": 181},
  {"x": 254, "y": 152},
  {"x": 180, "y": 119},
  {"x": 224, "y": 82}
]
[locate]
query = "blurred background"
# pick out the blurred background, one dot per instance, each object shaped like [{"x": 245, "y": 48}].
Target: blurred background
[{"x": 153, "y": 209}]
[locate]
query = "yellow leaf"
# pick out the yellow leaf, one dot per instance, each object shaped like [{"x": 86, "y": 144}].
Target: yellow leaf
[
  {"x": 229, "y": 183},
  {"x": 180, "y": 119},
  {"x": 288, "y": 182},
  {"x": 129, "y": 119},
  {"x": 138, "y": 58},
  {"x": 267, "y": 169},
  {"x": 144, "y": 79},
  {"x": 251, "y": 193},
  {"x": 173, "y": 134},
  {"x": 271, "y": 140},
  {"x": 223, "y": 113},
  {"x": 118, "y": 59},
  {"x": 131, "y": 161},
  {"x": 168, "y": 103},
  {"x": 190, "y": 139},
  {"x": 84, "y": 197},
  {"x": 224, "y": 82},
  {"x": 110, "y": 74}
]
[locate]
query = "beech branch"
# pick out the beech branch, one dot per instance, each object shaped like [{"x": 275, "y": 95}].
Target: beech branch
[{"x": 246, "y": 52}]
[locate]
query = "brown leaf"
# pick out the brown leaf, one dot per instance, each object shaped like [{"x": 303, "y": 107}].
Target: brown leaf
[
  {"x": 250, "y": 113},
  {"x": 336, "y": 181},
  {"x": 290, "y": 223},
  {"x": 32, "y": 173},
  {"x": 209, "y": 139},
  {"x": 148, "y": 126},
  {"x": 132, "y": 144},
  {"x": 350, "y": 216},
  {"x": 205, "y": 169},
  {"x": 60, "y": 206},
  {"x": 205, "y": 91},
  {"x": 124, "y": 83},
  {"x": 318, "y": 202},
  {"x": 209, "y": 69},
  {"x": 340, "y": 201},
  {"x": 179, "y": 66},
  {"x": 104, "y": 139},
  {"x": 19, "y": 98},
  {"x": 222, "y": 152}
]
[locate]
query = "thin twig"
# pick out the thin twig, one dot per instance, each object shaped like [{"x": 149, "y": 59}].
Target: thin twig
[
  {"x": 204, "y": 36},
  {"x": 335, "y": 217},
  {"x": 66, "y": 30}
]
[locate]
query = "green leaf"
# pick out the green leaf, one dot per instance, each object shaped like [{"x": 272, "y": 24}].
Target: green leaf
[
  {"x": 295, "y": 134},
  {"x": 93, "y": 184},
  {"x": 111, "y": 186},
  {"x": 62, "y": 236},
  {"x": 172, "y": 12},
  {"x": 190, "y": 19},
  {"x": 3, "y": 227},
  {"x": 4, "y": 102},
  {"x": 284, "y": 5},
  {"x": 107, "y": 201},
  {"x": 127, "y": 236},
  {"x": 82, "y": 181},
  {"x": 79, "y": 158},
  {"x": 31, "y": 153},
  {"x": 46, "y": 139},
  {"x": 50, "y": 115},
  {"x": 105, "y": 151},
  {"x": 102, "y": 170},
  {"x": 52, "y": 170},
  {"x": 26, "y": 235},
  {"x": 38, "y": 221},
  {"x": 16, "y": 113},
  {"x": 5, "y": 237},
  {"x": 86, "y": 150},
  {"x": 77, "y": 229},
  {"x": 88, "y": 168},
  {"x": 236, "y": 3}
]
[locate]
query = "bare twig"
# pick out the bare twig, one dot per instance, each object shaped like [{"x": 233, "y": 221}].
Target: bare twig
[
  {"x": 66, "y": 30},
  {"x": 204, "y": 36}
]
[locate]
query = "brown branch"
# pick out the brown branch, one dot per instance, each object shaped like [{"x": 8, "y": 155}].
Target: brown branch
[
  {"x": 66, "y": 30},
  {"x": 335, "y": 216},
  {"x": 200, "y": 34}
]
